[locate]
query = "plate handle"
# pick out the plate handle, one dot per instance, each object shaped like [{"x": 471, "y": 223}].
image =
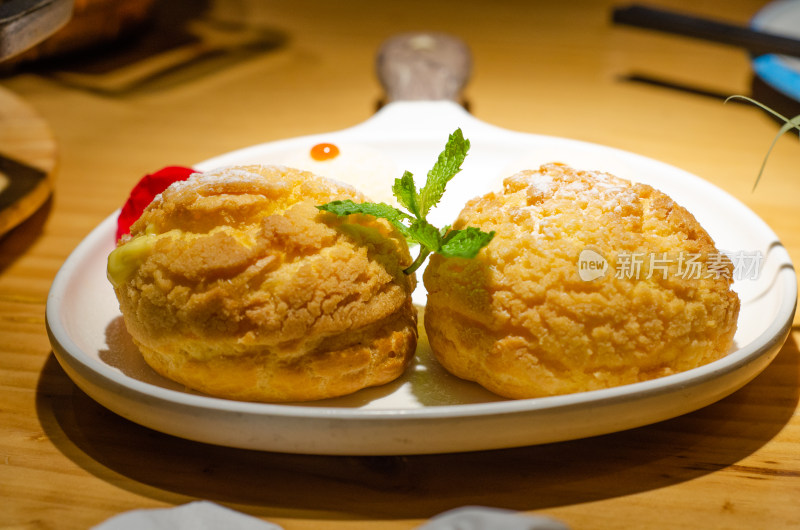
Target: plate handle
[{"x": 423, "y": 66}]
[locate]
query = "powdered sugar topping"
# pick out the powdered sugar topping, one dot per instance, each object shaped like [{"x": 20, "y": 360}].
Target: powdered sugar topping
[{"x": 560, "y": 183}]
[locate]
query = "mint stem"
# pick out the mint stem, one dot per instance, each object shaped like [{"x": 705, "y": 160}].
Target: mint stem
[{"x": 423, "y": 253}]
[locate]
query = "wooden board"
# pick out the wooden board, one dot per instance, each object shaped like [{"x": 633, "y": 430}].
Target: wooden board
[{"x": 27, "y": 160}]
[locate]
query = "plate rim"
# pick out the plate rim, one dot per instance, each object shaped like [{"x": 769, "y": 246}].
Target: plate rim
[{"x": 758, "y": 345}]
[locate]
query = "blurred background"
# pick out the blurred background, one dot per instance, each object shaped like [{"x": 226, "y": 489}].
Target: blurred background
[{"x": 129, "y": 86}]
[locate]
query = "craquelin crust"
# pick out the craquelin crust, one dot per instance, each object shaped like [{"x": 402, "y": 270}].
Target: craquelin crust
[
  {"x": 521, "y": 321},
  {"x": 249, "y": 292}
]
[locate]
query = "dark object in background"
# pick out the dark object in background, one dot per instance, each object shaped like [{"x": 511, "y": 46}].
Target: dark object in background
[
  {"x": 24, "y": 24},
  {"x": 93, "y": 22},
  {"x": 756, "y": 42}
]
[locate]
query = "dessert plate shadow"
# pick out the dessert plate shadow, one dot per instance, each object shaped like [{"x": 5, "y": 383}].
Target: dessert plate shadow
[{"x": 427, "y": 411}]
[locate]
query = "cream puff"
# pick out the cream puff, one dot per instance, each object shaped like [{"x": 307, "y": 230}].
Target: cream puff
[
  {"x": 590, "y": 282},
  {"x": 234, "y": 284}
]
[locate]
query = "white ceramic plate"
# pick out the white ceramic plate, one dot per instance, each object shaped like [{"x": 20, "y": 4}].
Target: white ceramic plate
[
  {"x": 427, "y": 411},
  {"x": 780, "y": 72}
]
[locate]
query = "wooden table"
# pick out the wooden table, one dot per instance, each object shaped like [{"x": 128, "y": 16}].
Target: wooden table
[{"x": 559, "y": 68}]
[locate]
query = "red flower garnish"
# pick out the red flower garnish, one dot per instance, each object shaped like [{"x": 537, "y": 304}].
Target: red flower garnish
[{"x": 145, "y": 191}]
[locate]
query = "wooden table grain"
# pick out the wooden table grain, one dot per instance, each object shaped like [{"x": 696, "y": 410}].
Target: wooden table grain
[{"x": 292, "y": 68}]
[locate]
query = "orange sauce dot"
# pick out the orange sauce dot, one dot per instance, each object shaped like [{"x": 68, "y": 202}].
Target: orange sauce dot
[{"x": 322, "y": 152}]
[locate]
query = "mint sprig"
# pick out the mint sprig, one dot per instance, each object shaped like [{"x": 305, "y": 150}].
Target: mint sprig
[{"x": 412, "y": 223}]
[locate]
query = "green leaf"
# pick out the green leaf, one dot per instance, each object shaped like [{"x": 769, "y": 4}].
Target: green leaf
[
  {"x": 427, "y": 234},
  {"x": 465, "y": 243},
  {"x": 447, "y": 166},
  {"x": 376, "y": 209},
  {"x": 450, "y": 243},
  {"x": 379, "y": 209},
  {"x": 405, "y": 191}
]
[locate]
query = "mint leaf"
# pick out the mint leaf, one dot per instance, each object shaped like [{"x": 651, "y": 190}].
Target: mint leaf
[
  {"x": 446, "y": 167},
  {"x": 405, "y": 192},
  {"x": 376, "y": 209},
  {"x": 412, "y": 224},
  {"x": 426, "y": 234},
  {"x": 379, "y": 209},
  {"x": 465, "y": 243}
]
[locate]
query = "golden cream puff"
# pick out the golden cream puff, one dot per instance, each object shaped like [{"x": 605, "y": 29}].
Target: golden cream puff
[
  {"x": 590, "y": 282},
  {"x": 234, "y": 284}
]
